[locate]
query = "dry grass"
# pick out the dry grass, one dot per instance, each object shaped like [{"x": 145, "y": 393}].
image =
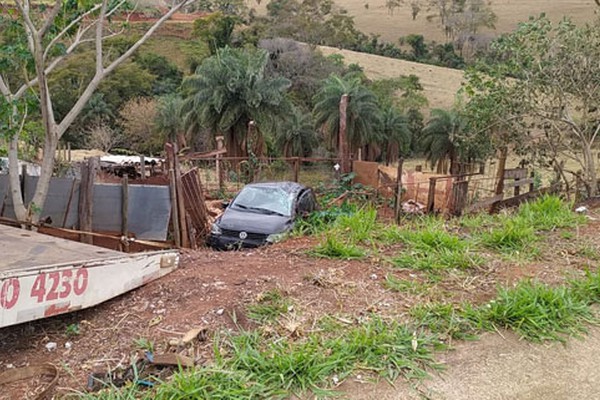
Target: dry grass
[
  {"x": 440, "y": 84},
  {"x": 376, "y": 18}
]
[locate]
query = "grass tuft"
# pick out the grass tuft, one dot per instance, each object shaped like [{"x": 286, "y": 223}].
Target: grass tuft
[
  {"x": 539, "y": 312},
  {"x": 270, "y": 306},
  {"x": 548, "y": 213},
  {"x": 336, "y": 248}
]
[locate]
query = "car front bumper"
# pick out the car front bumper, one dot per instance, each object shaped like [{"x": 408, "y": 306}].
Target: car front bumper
[{"x": 224, "y": 242}]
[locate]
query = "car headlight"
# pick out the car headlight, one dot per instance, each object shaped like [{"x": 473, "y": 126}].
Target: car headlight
[
  {"x": 276, "y": 237},
  {"x": 215, "y": 230}
]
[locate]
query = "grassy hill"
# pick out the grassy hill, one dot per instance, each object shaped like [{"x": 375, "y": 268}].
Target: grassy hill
[
  {"x": 440, "y": 84},
  {"x": 372, "y": 16}
]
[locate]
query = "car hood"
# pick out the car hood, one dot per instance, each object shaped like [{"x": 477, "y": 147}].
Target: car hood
[{"x": 254, "y": 222}]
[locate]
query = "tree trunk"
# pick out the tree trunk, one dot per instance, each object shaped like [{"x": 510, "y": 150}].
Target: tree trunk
[
  {"x": 15, "y": 182},
  {"x": 501, "y": 167},
  {"x": 343, "y": 147},
  {"x": 41, "y": 191},
  {"x": 590, "y": 172}
]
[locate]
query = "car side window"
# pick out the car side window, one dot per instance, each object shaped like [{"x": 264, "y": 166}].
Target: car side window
[{"x": 306, "y": 203}]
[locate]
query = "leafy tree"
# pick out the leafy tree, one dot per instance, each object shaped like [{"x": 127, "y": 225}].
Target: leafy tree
[
  {"x": 395, "y": 134},
  {"x": 363, "y": 112},
  {"x": 296, "y": 137},
  {"x": 168, "y": 119},
  {"x": 216, "y": 30},
  {"x": 138, "y": 117},
  {"x": 439, "y": 140},
  {"x": 553, "y": 70},
  {"x": 53, "y": 33},
  {"x": 228, "y": 92},
  {"x": 167, "y": 77},
  {"x": 303, "y": 65}
]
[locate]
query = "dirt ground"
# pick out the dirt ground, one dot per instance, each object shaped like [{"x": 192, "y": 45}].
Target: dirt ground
[{"x": 212, "y": 289}]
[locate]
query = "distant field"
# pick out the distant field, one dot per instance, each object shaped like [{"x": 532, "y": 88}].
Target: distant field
[
  {"x": 440, "y": 84},
  {"x": 376, "y": 18}
]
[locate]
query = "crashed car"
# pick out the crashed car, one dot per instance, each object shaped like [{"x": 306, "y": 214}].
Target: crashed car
[{"x": 261, "y": 213}]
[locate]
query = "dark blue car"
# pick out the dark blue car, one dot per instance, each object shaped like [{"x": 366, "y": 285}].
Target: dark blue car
[{"x": 261, "y": 213}]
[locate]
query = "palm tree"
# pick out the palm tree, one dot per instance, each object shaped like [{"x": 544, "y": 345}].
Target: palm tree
[
  {"x": 168, "y": 119},
  {"x": 395, "y": 134},
  {"x": 439, "y": 139},
  {"x": 297, "y": 136},
  {"x": 229, "y": 94},
  {"x": 363, "y": 112}
]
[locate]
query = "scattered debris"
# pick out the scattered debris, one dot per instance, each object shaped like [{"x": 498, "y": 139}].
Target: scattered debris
[
  {"x": 32, "y": 372},
  {"x": 142, "y": 371},
  {"x": 51, "y": 346},
  {"x": 190, "y": 336},
  {"x": 413, "y": 207},
  {"x": 68, "y": 345},
  {"x": 581, "y": 210}
]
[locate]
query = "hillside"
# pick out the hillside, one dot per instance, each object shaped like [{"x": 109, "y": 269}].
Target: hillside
[
  {"x": 440, "y": 84},
  {"x": 372, "y": 16}
]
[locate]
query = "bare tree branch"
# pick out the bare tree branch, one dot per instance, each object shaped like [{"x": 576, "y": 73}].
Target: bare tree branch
[
  {"x": 4, "y": 89},
  {"x": 93, "y": 84},
  {"x": 68, "y": 28},
  {"x": 50, "y": 20}
]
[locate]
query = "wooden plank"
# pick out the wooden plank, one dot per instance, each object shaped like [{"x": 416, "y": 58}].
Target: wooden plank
[
  {"x": 204, "y": 155},
  {"x": 484, "y": 203},
  {"x": 518, "y": 183},
  {"x": 515, "y": 173},
  {"x": 185, "y": 236},
  {"x": 125, "y": 209},
  {"x": 173, "y": 190}
]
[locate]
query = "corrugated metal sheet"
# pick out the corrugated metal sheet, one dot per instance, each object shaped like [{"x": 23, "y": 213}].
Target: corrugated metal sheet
[
  {"x": 59, "y": 192},
  {"x": 149, "y": 210}
]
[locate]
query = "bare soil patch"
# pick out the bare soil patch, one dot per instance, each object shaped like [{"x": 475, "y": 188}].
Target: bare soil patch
[{"x": 212, "y": 290}]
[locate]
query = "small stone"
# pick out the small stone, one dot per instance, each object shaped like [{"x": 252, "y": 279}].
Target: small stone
[
  {"x": 220, "y": 311},
  {"x": 581, "y": 210},
  {"x": 68, "y": 345},
  {"x": 373, "y": 276},
  {"x": 51, "y": 346},
  {"x": 10, "y": 366},
  {"x": 335, "y": 379}
]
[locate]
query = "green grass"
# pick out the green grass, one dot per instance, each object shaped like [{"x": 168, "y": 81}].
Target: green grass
[
  {"x": 549, "y": 213},
  {"x": 433, "y": 248},
  {"x": 333, "y": 247},
  {"x": 512, "y": 236},
  {"x": 447, "y": 321},
  {"x": 539, "y": 312},
  {"x": 269, "y": 307},
  {"x": 389, "y": 349},
  {"x": 406, "y": 286}
]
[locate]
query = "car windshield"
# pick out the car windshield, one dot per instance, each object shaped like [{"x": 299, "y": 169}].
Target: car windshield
[{"x": 268, "y": 200}]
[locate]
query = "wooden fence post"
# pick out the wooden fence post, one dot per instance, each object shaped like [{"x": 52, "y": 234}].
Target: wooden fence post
[
  {"x": 173, "y": 191},
  {"x": 86, "y": 198},
  {"x": 344, "y": 152},
  {"x": 180, "y": 200},
  {"x": 125, "y": 212},
  {"x": 296, "y": 168},
  {"x": 431, "y": 195},
  {"x": 399, "y": 190},
  {"x": 531, "y": 184},
  {"x": 460, "y": 193},
  {"x": 143, "y": 167}
]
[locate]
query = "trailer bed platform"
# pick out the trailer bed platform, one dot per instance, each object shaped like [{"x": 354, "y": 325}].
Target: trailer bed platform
[{"x": 42, "y": 276}]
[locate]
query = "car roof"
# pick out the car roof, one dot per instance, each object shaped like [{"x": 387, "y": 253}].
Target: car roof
[{"x": 287, "y": 186}]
